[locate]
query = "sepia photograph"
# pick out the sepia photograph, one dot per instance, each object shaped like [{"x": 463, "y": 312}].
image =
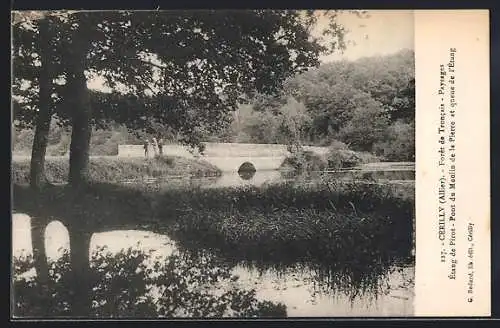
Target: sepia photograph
[{"x": 213, "y": 164}]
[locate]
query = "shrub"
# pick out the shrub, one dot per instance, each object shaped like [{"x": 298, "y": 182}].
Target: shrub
[
  {"x": 304, "y": 161},
  {"x": 337, "y": 144},
  {"x": 22, "y": 140},
  {"x": 340, "y": 156},
  {"x": 62, "y": 147},
  {"x": 399, "y": 144}
]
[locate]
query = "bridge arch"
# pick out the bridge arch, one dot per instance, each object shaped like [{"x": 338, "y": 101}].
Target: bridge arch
[
  {"x": 247, "y": 167},
  {"x": 247, "y": 170},
  {"x": 233, "y": 164}
]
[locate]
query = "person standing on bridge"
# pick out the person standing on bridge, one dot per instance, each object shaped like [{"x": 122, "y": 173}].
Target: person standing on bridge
[
  {"x": 146, "y": 148},
  {"x": 155, "y": 146},
  {"x": 160, "y": 145}
]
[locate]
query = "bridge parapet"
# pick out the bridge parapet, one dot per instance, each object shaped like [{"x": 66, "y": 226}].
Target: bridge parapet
[
  {"x": 227, "y": 156},
  {"x": 214, "y": 149},
  {"x": 138, "y": 151}
]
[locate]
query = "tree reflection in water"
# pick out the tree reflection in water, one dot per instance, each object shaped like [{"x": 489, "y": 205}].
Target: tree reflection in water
[
  {"x": 125, "y": 286},
  {"x": 353, "y": 279}
]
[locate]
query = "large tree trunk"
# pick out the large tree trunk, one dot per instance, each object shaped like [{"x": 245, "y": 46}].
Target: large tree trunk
[
  {"x": 82, "y": 113},
  {"x": 81, "y": 132},
  {"x": 37, "y": 176},
  {"x": 79, "y": 100}
]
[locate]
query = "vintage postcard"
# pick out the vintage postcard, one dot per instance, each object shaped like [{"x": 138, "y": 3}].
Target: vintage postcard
[{"x": 250, "y": 164}]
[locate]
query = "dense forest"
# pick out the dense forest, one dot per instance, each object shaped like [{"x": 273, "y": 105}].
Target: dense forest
[{"x": 367, "y": 105}]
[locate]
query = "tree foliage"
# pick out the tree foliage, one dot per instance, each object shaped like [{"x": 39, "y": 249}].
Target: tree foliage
[
  {"x": 368, "y": 104},
  {"x": 184, "y": 69}
]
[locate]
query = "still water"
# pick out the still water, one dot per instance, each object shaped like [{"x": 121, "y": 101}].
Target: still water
[
  {"x": 260, "y": 178},
  {"x": 297, "y": 287}
]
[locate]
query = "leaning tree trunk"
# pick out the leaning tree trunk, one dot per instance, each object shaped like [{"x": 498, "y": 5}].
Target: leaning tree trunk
[{"x": 37, "y": 174}]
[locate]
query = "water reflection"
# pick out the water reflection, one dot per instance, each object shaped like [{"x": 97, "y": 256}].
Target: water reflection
[
  {"x": 301, "y": 288},
  {"x": 246, "y": 175},
  {"x": 235, "y": 179},
  {"x": 262, "y": 177},
  {"x": 56, "y": 240},
  {"x": 229, "y": 179},
  {"x": 306, "y": 290}
]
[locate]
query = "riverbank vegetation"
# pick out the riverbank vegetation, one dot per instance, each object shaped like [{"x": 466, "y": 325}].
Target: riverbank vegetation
[
  {"x": 110, "y": 169},
  {"x": 326, "y": 222},
  {"x": 338, "y": 156},
  {"x": 350, "y": 234},
  {"x": 338, "y": 227}
]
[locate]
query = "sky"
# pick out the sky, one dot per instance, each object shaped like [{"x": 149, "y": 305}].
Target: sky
[{"x": 382, "y": 32}]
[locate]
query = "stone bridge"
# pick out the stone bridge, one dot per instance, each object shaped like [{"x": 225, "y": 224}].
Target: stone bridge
[{"x": 228, "y": 157}]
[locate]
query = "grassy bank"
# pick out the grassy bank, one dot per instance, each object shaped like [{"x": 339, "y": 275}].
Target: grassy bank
[
  {"x": 350, "y": 235},
  {"x": 102, "y": 169},
  {"x": 352, "y": 228},
  {"x": 325, "y": 221},
  {"x": 345, "y": 224}
]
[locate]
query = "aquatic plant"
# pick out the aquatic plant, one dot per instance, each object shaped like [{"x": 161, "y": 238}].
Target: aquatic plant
[{"x": 345, "y": 228}]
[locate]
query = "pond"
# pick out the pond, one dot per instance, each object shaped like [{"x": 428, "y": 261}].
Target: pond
[
  {"x": 304, "y": 288},
  {"x": 259, "y": 178},
  {"x": 298, "y": 288}
]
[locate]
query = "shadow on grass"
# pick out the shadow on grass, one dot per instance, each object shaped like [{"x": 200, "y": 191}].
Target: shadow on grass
[{"x": 94, "y": 208}]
